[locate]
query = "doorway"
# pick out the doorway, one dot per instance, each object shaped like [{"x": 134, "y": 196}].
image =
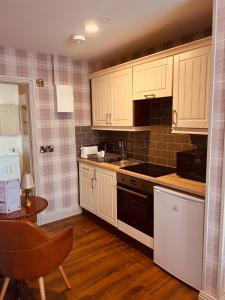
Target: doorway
[{"x": 15, "y": 123}]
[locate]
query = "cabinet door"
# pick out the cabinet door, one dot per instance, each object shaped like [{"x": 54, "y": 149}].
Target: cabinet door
[
  {"x": 106, "y": 195},
  {"x": 87, "y": 188},
  {"x": 153, "y": 79},
  {"x": 101, "y": 100},
  {"x": 121, "y": 96},
  {"x": 191, "y": 89}
]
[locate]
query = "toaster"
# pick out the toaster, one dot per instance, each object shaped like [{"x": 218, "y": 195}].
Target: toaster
[{"x": 87, "y": 150}]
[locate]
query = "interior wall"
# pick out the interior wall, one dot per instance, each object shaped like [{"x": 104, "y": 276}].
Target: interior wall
[{"x": 57, "y": 170}]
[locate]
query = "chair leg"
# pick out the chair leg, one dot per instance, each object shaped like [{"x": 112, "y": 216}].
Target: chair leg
[
  {"x": 42, "y": 288},
  {"x": 4, "y": 288},
  {"x": 64, "y": 277}
]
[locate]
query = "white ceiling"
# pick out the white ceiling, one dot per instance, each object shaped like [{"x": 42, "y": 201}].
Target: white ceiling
[{"x": 47, "y": 25}]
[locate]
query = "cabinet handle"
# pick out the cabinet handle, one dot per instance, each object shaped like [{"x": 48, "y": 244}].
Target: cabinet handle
[
  {"x": 149, "y": 96},
  {"x": 132, "y": 192},
  {"x": 174, "y": 117},
  {"x": 110, "y": 119},
  {"x": 86, "y": 169},
  {"x": 107, "y": 115},
  {"x": 93, "y": 179}
]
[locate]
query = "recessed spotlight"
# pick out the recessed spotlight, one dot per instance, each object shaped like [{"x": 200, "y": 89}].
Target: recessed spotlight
[
  {"x": 78, "y": 38},
  {"x": 91, "y": 27}
]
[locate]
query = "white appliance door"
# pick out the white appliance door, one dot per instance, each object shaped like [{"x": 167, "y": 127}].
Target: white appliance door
[{"x": 178, "y": 234}]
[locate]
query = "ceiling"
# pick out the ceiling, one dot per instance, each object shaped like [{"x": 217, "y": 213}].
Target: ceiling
[{"x": 47, "y": 26}]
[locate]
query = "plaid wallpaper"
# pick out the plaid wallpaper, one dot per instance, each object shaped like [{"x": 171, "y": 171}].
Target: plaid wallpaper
[
  {"x": 57, "y": 170},
  {"x": 216, "y": 148}
]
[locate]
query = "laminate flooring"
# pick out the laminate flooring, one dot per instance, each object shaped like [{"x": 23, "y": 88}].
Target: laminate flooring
[{"x": 102, "y": 266}]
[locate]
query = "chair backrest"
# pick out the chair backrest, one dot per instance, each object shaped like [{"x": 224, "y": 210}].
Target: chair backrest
[
  {"x": 24, "y": 249},
  {"x": 20, "y": 235}
]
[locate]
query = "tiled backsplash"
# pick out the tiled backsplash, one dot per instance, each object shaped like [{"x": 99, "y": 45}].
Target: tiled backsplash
[{"x": 156, "y": 146}]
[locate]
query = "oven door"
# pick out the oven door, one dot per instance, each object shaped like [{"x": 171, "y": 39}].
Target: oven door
[{"x": 135, "y": 209}]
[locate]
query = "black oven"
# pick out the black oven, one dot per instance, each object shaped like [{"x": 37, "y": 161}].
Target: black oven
[{"x": 135, "y": 203}]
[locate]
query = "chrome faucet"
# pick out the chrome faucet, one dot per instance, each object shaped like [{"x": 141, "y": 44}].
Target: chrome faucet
[{"x": 122, "y": 149}]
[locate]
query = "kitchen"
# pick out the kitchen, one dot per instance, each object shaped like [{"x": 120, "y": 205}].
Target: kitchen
[
  {"x": 147, "y": 148},
  {"x": 163, "y": 98}
]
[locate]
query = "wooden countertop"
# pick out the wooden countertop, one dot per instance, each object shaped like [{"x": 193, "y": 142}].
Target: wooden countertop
[
  {"x": 103, "y": 165},
  {"x": 186, "y": 185},
  {"x": 171, "y": 180}
]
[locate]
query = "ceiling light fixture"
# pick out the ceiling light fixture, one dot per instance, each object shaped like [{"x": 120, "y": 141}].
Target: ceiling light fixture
[
  {"x": 105, "y": 18},
  {"x": 91, "y": 27},
  {"x": 78, "y": 38}
]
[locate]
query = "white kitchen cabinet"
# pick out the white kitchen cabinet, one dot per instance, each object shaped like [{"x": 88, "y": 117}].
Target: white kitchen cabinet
[
  {"x": 87, "y": 188},
  {"x": 106, "y": 196},
  {"x": 98, "y": 192},
  {"x": 121, "y": 93},
  {"x": 191, "y": 90},
  {"x": 182, "y": 72},
  {"x": 153, "y": 79},
  {"x": 178, "y": 234},
  {"x": 101, "y": 100},
  {"x": 112, "y": 99}
]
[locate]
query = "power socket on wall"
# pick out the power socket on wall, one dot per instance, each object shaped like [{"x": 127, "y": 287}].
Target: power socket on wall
[{"x": 49, "y": 148}]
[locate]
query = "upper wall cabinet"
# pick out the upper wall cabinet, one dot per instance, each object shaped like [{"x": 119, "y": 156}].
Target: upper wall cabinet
[
  {"x": 153, "y": 79},
  {"x": 112, "y": 99},
  {"x": 121, "y": 93},
  {"x": 101, "y": 100},
  {"x": 191, "y": 90},
  {"x": 182, "y": 72}
]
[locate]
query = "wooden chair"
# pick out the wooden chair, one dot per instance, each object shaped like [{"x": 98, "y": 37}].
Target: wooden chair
[{"x": 26, "y": 251}]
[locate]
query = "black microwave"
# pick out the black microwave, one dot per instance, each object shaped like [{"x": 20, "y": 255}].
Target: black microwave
[{"x": 192, "y": 164}]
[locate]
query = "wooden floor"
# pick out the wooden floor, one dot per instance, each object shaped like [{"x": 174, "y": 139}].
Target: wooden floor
[{"x": 102, "y": 266}]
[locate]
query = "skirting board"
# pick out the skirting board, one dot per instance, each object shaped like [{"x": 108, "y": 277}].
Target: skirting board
[
  {"x": 204, "y": 296},
  {"x": 59, "y": 214}
]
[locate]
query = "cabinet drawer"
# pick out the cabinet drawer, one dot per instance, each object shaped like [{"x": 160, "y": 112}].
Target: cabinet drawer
[{"x": 87, "y": 171}]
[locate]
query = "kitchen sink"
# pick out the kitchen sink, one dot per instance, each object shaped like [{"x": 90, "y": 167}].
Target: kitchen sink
[{"x": 124, "y": 163}]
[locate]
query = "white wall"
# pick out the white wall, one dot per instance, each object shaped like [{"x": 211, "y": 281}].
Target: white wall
[{"x": 9, "y": 95}]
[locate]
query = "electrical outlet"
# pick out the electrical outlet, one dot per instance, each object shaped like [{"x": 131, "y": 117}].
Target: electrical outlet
[
  {"x": 50, "y": 148},
  {"x": 43, "y": 149}
]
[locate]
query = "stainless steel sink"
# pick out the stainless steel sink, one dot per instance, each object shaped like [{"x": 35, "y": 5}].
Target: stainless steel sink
[{"x": 124, "y": 163}]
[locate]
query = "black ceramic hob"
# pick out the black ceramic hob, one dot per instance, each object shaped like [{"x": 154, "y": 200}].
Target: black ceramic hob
[{"x": 152, "y": 170}]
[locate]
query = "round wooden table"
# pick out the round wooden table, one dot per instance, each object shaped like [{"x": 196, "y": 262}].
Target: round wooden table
[{"x": 38, "y": 204}]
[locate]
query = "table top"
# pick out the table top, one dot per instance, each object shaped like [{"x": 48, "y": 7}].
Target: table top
[{"x": 38, "y": 204}]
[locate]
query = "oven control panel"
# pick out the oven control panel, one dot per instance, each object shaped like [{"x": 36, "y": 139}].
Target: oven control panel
[{"x": 136, "y": 183}]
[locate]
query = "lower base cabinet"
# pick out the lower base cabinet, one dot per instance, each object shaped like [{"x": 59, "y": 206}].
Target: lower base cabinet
[{"x": 98, "y": 192}]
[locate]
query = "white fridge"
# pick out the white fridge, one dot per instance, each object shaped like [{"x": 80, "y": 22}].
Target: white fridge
[{"x": 178, "y": 234}]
